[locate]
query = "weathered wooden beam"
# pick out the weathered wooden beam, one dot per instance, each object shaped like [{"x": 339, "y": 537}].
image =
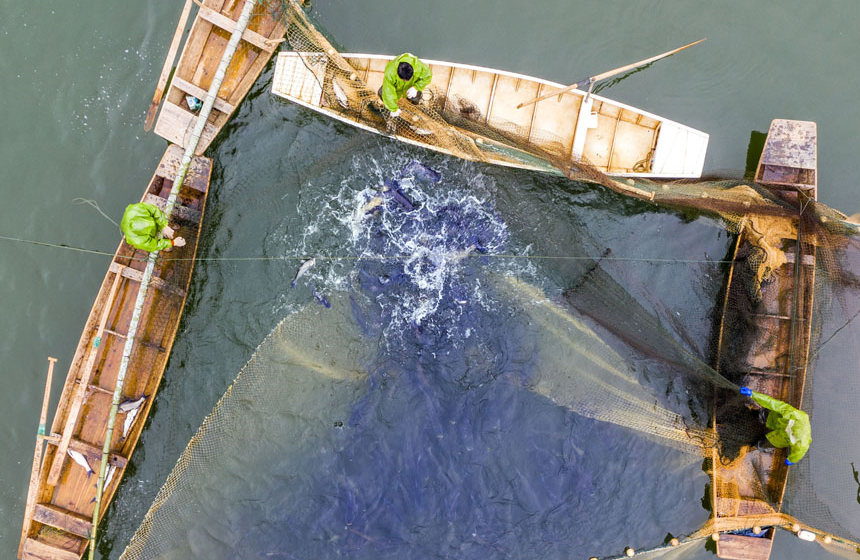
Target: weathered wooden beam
[
  {"x": 137, "y": 276},
  {"x": 182, "y": 212},
  {"x": 94, "y": 454},
  {"x": 200, "y": 93},
  {"x": 37, "y": 550},
  {"x": 227, "y": 24},
  {"x": 63, "y": 519}
]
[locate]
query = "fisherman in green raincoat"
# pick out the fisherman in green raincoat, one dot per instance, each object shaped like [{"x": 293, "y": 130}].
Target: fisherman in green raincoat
[
  {"x": 405, "y": 76},
  {"x": 789, "y": 426},
  {"x": 145, "y": 227}
]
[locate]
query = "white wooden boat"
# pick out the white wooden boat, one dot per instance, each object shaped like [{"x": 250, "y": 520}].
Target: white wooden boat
[{"x": 613, "y": 137}]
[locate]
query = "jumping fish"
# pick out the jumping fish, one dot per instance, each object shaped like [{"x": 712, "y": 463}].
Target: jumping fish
[
  {"x": 320, "y": 298},
  {"x": 302, "y": 269},
  {"x": 372, "y": 205},
  {"x": 81, "y": 460},
  {"x": 421, "y": 171},
  {"x": 392, "y": 189},
  {"x": 129, "y": 405},
  {"x": 460, "y": 255},
  {"x": 129, "y": 420}
]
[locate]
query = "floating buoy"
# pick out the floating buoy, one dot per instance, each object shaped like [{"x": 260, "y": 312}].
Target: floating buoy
[
  {"x": 807, "y": 536},
  {"x": 716, "y": 537},
  {"x": 674, "y": 542},
  {"x": 827, "y": 539},
  {"x": 629, "y": 551},
  {"x": 795, "y": 527},
  {"x": 756, "y": 529},
  {"x": 479, "y": 141}
]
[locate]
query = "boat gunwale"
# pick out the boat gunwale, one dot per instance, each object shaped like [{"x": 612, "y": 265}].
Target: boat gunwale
[{"x": 338, "y": 115}]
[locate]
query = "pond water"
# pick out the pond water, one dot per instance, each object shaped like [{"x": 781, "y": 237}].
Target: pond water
[{"x": 77, "y": 80}]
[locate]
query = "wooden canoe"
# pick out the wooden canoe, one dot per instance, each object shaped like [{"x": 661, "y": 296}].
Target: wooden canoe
[
  {"x": 199, "y": 60},
  {"x": 766, "y": 342},
  {"x": 615, "y": 138},
  {"x": 57, "y": 523}
]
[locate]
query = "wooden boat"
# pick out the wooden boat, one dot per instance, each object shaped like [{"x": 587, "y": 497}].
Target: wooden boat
[
  {"x": 615, "y": 138},
  {"x": 199, "y": 60},
  {"x": 767, "y": 345},
  {"x": 58, "y": 520}
]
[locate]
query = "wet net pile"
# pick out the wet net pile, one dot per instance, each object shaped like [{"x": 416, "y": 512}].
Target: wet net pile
[{"x": 587, "y": 340}]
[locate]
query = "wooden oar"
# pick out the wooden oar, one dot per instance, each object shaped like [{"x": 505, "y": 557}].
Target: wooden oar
[
  {"x": 168, "y": 66},
  {"x": 609, "y": 74},
  {"x": 37, "y": 457}
]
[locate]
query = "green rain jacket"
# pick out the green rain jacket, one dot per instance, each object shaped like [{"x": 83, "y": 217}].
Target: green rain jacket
[
  {"x": 393, "y": 88},
  {"x": 789, "y": 426},
  {"x": 142, "y": 224}
]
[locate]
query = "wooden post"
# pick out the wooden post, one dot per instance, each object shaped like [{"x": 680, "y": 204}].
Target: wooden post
[
  {"x": 168, "y": 66},
  {"x": 37, "y": 457}
]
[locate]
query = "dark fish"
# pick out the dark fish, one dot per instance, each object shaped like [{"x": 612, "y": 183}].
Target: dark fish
[
  {"x": 392, "y": 189},
  {"x": 320, "y": 298},
  {"x": 421, "y": 171}
]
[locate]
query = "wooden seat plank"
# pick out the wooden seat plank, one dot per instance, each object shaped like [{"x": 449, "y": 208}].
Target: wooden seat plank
[
  {"x": 200, "y": 93},
  {"x": 227, "y": 24},
  {"x": 37, "y": 550},
  {"x": 94, "y": 454},
  {"x": 183, "y": 212},
  {"x": 175, "y": 124},
  {"x": 63, "y": 519},
  {"x": 137, "y": 276}
]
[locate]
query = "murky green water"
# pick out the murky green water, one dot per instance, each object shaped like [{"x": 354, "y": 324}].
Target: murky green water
[{"x": 77, "y": 79}]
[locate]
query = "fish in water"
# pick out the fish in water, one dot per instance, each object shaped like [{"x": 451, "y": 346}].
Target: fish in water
[
  {"x": 421, "y": 171},
  {"x": 81, "y": 460},
  {"x": 302, "y": 269},
  {"x": 372, "y": 205},
  {"x": 129, "y": 420},
  {"x": 129, "y": 405},
  {"x": 392, "y": 189},
  {"x": 320, "y": 298}
]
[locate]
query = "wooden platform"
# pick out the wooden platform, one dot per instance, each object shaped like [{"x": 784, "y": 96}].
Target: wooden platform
[
  {"x": 615, "y": 138},
  {"x": 765, "y": 344},
  {"x": 199, "y": 60},
  {"x": 57, "y": 525}
]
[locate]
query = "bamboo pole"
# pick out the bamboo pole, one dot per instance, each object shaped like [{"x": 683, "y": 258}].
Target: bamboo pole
[
  {"x": 211, "y": 95},
  {"x": 609, "y": 74},
  {"x": 37, "y": 457},
  {"x": 168, "y": 65}
]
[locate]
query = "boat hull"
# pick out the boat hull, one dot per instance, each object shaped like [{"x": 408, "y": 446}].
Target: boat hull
[
  {"x": 57, "y": 524},
  {"x": 613, "y": 137}
]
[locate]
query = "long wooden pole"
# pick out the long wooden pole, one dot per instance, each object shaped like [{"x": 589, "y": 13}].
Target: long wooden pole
[
  {"x": 609, "y": 74},
  {"x": 37, "y": 457},
  {"x": 196, "y": 133},
  {"x": 168, "y": 66}
]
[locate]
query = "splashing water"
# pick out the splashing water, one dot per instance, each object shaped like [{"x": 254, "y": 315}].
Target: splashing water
[{"x": 418, "y": 237}]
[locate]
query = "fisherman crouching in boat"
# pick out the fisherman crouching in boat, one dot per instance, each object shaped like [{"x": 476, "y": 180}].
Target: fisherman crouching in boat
[
  {"x": 405, "y": 76},
  {"x": 789, "y": 426},
  {"x": 145, "y": 227}
]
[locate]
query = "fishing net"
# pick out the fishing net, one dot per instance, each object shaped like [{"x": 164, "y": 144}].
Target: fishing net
[{"x": 591, "y": 335}]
